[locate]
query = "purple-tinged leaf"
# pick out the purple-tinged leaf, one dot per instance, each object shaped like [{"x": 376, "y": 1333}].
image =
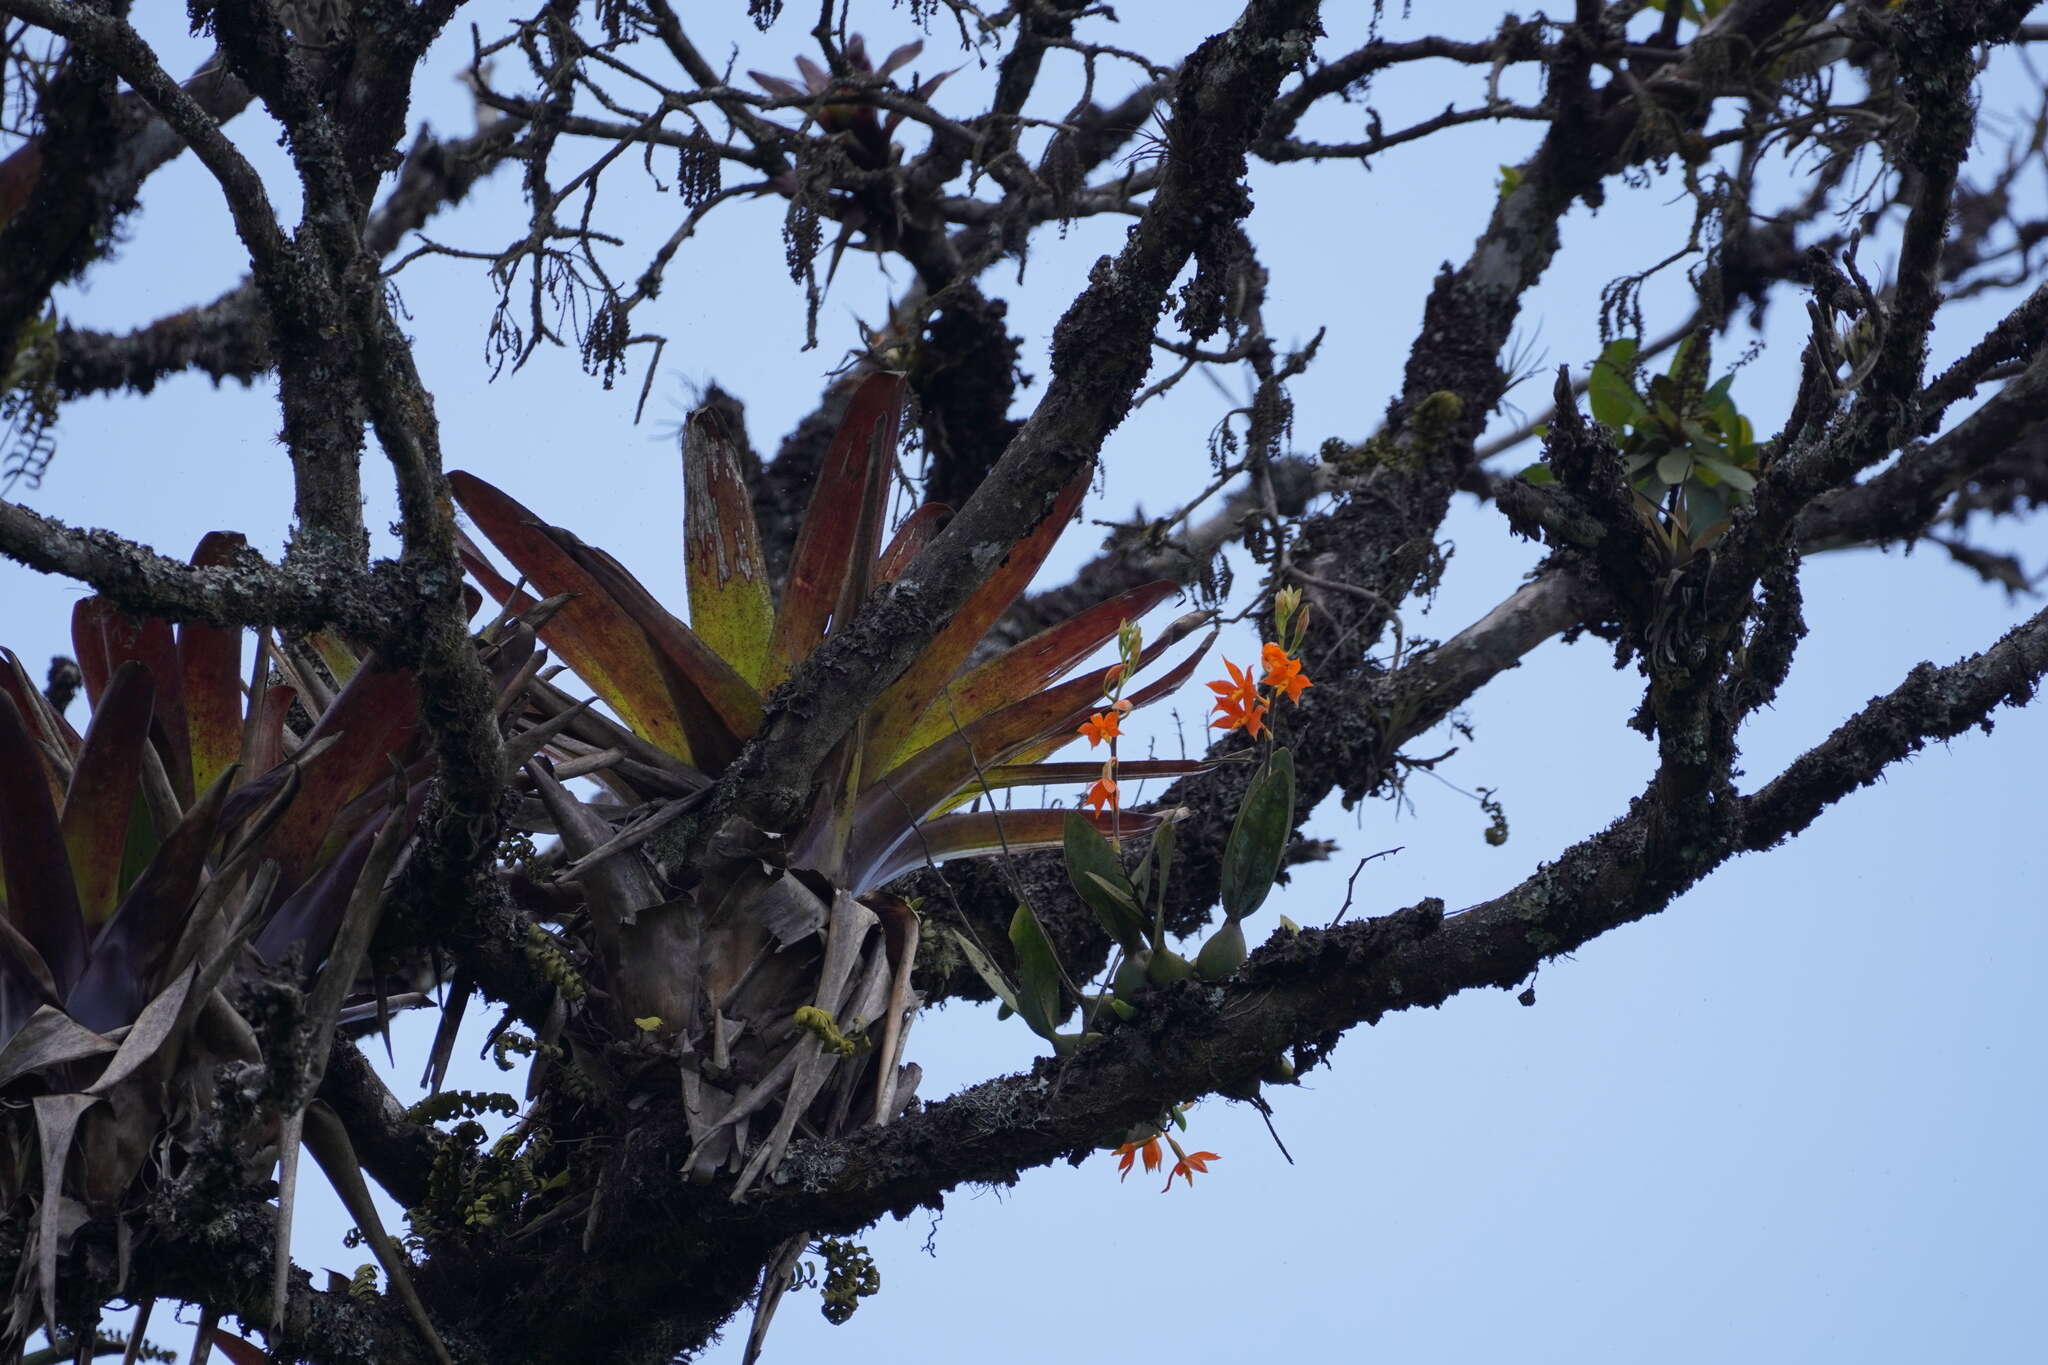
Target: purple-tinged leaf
[
  {"x": 263, "y": 741},
  {"x": 101, "y": 800},
  {"x": 42, "y": 902},
  {"x": 900, "y": 58},
  {"x": 127, "y": 958},
  {"x": 777, "y": 86},
  {"x": 50, "y": 731},
  {"x": 376, "y": 718},
  {"x": 311, "y": 914}
]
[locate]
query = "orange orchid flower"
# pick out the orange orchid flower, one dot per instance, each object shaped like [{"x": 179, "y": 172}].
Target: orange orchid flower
[
  {"x": 1236, "y": 714},
  {"x": 1100, "y": 726},
  {"x": 1187, "y": 1165},
  {"x": 1283, "y": 672},
  {"x": 1239, "y": 702},
  {"x": 1131, "y": 1151},
  {"x": 1103, "y": 793}
]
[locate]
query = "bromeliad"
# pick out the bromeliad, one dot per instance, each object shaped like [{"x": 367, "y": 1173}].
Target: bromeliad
[{"x": 724, "y": 954}]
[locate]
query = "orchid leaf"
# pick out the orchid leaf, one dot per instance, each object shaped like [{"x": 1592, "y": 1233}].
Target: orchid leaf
[
  {"x": 856, "y": 467},
  {"x": 1610, "y": 390},
  {"x": 898, "y": 709},
  {"x": 1000, "y": 985},
  {"x": 42, "y": 900},
  {"x": 1265, "y": 822},
  {"x": 591, "y": 633},
  {"x": 1096, "y": 870},
  {"x": 1038, "y": 974},
  {"x": 100, "y": 803},
  {"x": 732, "y": 608}
]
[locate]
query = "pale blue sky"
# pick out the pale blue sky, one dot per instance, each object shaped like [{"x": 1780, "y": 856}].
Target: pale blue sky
[{"x": 1798, "y": 1117}]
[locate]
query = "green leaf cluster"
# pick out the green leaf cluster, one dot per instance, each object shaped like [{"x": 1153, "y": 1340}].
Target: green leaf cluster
[{"x": 1688, "y": 451}]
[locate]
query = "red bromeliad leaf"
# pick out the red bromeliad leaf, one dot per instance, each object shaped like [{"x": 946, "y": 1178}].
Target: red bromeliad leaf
[
  {"x": 480, "y": 568},
  {"x": 898, "y": 709},
  {"x": 1030, "y": 756},
  {"x": 42, "y": 901},
  {"x": 45, "y": 725},
  {"x": 377, "y": 718},
  {"x": 126, "y": 959},
  {"x": 341, "y": 660},
  {"x": 263, "y": 740},
  {"x": 853, "y": 478},
  {"x": 717, "y": 708},
  {"x": 987, "y": 833},
  {"x": 101, "y": 798},
  {"x": 918, "y": 530},
  {"x": 1018, "y": 672},
  {"x": 731, "y": 607},
  {"x": 931, "y": 779},
  {"x": 89, "y": 644},
  {"x": 311, "y": 912},
  {"x": 1066, "y": 774},
  {"x": 210, "y": 660},
  {"x": 591, "y": 633},
  {"x": 152, "y": 641}
]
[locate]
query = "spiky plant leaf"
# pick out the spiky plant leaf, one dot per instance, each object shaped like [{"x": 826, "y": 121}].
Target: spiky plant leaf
[
  {"x": 899, "y": 708},
  {"x": 210, "y": 659},
  {"x": 854, "y": 478},
  {"x": 591, "y": 632},
  {"x": 42, "y": 900},
  {"x": 1018, "y": 672},
  {"x": 918, "y": 530},
  {"x": 99, "y": 802},
  {"x": 732, "y": 608},
  {"x": 127, "y": 956},
  {"x": 993, "y": 833}
]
